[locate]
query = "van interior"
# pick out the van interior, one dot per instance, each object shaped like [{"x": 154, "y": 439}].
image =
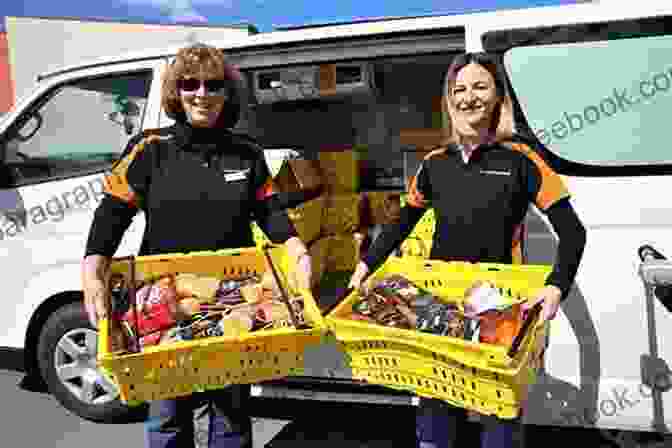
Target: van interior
[{"x": 390, "y": 114}]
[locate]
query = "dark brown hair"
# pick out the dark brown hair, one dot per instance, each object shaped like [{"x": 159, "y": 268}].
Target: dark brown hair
[{"x": 200, "y": 59}]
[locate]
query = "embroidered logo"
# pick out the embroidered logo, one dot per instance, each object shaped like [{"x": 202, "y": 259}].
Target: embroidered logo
[
  {"x": 496, "y": 172},
  {"x": 236, "y": 175}
]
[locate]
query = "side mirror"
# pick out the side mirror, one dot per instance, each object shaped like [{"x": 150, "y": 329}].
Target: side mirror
[
  {"x": 31, "y": 124},
  {"x": 124, "y": 114}
]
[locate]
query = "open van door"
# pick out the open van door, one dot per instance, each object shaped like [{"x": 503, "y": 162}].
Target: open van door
[{"x": 597, "y": 97}]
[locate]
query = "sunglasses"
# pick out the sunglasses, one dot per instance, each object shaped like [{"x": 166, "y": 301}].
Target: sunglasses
[{"x": 217, "y": 87}]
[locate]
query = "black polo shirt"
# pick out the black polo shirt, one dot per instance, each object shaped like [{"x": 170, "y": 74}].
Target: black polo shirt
[
  {"x": 479, "y": 205},
  {"x": 199, "y": 188}
]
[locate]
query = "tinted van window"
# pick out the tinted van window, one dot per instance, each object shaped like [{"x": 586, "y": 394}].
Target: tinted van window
[{"x": 598, "y": 103}]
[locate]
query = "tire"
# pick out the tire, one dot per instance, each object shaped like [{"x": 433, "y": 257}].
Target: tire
[{"x": 68, "y": 339}]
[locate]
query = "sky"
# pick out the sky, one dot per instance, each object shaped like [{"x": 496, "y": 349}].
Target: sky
[{"x": 264, "y": 14}]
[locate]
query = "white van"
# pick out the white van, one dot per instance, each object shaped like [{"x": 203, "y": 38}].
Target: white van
[{"x": 592, "y": 81}]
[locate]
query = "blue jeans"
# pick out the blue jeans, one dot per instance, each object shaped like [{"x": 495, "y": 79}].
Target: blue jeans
[
  {"x": 437, "y": 426},
  {"x": 216, "y": 419}
]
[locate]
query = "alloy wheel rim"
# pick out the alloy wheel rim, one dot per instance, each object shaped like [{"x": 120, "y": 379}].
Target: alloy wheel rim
[{"x": 76, "y": 369}]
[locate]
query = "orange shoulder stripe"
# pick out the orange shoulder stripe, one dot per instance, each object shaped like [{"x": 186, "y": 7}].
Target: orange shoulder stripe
[
  {"x": 552, "y": 187},
  {"x": 116, "y": 182}
]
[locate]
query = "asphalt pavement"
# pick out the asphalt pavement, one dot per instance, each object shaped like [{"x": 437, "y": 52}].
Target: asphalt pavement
[{"x": 37, "y": 420}]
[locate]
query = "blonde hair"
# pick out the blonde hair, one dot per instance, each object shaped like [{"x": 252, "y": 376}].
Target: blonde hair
[{"x": 503, "y": 124}]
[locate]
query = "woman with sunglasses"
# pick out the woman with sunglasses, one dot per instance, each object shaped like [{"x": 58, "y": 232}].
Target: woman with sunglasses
[
  {"x": 480, "y": 182},
  {"x": 200, "y": 186}
]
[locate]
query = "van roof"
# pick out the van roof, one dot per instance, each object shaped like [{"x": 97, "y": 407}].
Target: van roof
[{"x": 490, "y": 20}]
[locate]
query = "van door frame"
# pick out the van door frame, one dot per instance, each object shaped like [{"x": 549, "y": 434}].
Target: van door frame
[{"x": 322, "y": 51}]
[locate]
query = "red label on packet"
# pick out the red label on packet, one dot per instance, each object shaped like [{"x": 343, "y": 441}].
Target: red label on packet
[
  {"x": 153, "y": 314},
  {"x": 157, "y": 317},
  {"x": 151, "y": 339}
]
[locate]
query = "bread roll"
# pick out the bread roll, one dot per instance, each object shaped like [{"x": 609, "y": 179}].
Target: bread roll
[{"x": 192, "y": 285}]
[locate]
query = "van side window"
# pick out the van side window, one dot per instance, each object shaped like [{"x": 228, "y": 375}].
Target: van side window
[
  {"x": 603, "y": 103},
  {"x": 78, "y": 128}
]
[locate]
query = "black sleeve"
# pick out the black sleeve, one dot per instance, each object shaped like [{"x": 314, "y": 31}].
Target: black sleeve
[
  {"x": 393, "y": 234},
  {"x": 572, "y": 236},
  {"x": 269, "y": 211},
  {"x": 550, "y": 195},
  {"x": 110, "y": 221},
  {"x": 122, "y": 195}
]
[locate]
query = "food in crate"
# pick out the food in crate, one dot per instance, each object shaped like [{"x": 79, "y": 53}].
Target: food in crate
[
  {"x": 395, "y": 301},
  {"x": 499, "y": 319},
  {"x": 189, "y": 306}
]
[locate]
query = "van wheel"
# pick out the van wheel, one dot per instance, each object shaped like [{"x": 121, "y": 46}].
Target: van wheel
[{"x": 66, "y": 353}]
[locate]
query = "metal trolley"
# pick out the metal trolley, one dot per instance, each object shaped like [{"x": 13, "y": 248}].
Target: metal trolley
[{"x": 655, "y": 271}]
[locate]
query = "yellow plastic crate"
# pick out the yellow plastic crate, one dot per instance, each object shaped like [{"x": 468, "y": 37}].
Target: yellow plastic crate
[
  {"x": 424, "y": 229},
  {"x": 307, "y": 219},
  {"x": 416, "y": 247},
  {"x": 421, "y": 238},
  {"x": 471, "y": 375},
  {"x": 180, "y": 368}
]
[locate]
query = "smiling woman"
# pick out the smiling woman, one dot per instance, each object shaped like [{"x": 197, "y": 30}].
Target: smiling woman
[
  {"x": 197, "y": 87},
  {"x": 480, "y": 183},
  {"x": 197, "y": 166}
]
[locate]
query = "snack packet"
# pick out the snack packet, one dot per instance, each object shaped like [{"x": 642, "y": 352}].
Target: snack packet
[
  {"x": 230, "y": 292},
  {"x": 156, "y": 307},
  {"x": 500, "y": 319}
]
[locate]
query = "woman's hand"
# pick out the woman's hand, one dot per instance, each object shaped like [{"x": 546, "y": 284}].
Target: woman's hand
[
  {"x": 303, "y": 267},
  {"x": 358, "y": 276},
  {"x": 95, "y": 286},
  {"x": 550, "y": 296}
]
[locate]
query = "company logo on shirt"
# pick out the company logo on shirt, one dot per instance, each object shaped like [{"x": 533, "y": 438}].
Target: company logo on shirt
[
  {"x": 496, "y": 172},
  {"x": 233, "y": 175}
]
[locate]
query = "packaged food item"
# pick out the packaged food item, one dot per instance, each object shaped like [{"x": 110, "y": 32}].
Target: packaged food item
[
  {"x": 500, "y": 327},
  {"x": 194, "y": 285},
  {"x": 395, "y": 301},
  {"x": 252, "y": 293},
  {"x": 441, "y": 318},
  {"x": 185, "y": 306},
  {"x": 155, "y": 309},
  {"x": 229, "y": 291},
  {"x": 362, "y": 317},
  {"x": 274, "y": 313},
  {"x": 188, "y": 307},
  {"x": 119, "y": 296},
  {"x": 184, "y": 331},
  {"x": 268, "y": 283},
  {"x": 499, "y": 319}
]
